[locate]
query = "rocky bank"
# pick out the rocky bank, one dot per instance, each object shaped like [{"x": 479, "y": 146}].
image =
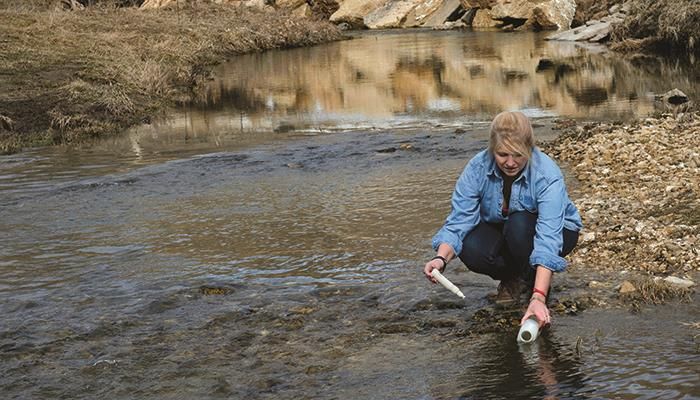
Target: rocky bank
[
  {"x": 438, "y": 14},
  {"x": 638, "y": 191}
]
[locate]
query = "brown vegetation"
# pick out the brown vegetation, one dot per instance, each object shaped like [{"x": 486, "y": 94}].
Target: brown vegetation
[
  {"x": 73, "y": 75},
  {"x": 587, "y": 10},
  {"x": 660, "y": 26},
  {"x": 651, "y": 291}
]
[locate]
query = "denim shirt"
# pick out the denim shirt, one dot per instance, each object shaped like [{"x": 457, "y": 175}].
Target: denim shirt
[{"x": 540, "y": 189}]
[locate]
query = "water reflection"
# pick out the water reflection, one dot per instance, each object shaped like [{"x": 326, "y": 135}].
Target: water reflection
[
  {"x": 379, "y": 77},
  {"x": 502, "y": 369}
]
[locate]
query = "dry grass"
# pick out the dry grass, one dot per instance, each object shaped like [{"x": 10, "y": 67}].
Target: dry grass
[
  {"x": 661, "y": 26},
  {"x": 650, "y": 291},
  {"x": 42, "y": 5},
  {"x": 587, "y": 10},
  {"x": 71, "y": 75}
]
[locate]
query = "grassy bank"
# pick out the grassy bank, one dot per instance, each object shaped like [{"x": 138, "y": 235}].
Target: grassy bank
[
  {"x": 660, "y": 26},
  {"x": 67, "y": 76},
  {"x": 651, "y": 26}
]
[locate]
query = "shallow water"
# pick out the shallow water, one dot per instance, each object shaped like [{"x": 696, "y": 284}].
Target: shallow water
[{"x": 182, "y": 262}]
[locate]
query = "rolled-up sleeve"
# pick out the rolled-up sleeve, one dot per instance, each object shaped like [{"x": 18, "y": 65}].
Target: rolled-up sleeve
[
  {"x": 550, "y": 225},
  {"x": 465, "y": 209}
]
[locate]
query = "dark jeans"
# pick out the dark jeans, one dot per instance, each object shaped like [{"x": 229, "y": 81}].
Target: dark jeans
[{"x": 502, "y": 251}]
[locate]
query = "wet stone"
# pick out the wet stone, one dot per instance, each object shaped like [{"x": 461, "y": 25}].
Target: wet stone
[
  {"x": 428, "y": 304},
  {"x": 302, "y": 310},
  {"x": 214, "y": 290},
  {"x": 330, "y": 292},
  {"x": 294, "y": 165},
  {"x": 266, "y": 384},
  {"x": 315, "y": 369},
  {"x": 439, "y": 323},
  {"x": 569, "y": 307},
  {"x": 292, "y": 323},
  {"x": 487, "y": 320},
  {"x": 398, "y": 328}
]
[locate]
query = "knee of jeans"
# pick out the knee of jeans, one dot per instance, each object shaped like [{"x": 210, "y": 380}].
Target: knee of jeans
[
  {"x": 468, "y": 254},
  {"x": 473, "y": 253},
  {"x": 476, "y": 256}
]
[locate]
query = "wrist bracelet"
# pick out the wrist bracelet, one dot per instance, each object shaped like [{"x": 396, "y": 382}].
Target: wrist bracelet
[
  {"x": 543, "y": 301},
  {"x": 535, "y": 290},
  {"x": 441, "y": 258}
]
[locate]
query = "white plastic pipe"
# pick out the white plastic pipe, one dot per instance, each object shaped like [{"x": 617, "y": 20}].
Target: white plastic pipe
[
  {"x": 529, "y": 331},
  {"x": 446, "y": 283}
]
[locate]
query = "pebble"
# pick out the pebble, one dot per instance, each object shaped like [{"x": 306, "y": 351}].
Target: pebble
[{"x": 627, "y": 287}]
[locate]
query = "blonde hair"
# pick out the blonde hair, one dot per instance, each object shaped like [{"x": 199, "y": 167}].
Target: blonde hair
[{"x": 512, "y": 131}]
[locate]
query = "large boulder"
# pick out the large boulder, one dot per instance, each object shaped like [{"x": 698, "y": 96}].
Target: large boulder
[
  {"x": 483, "y": 19},
  {"x": 483, "y": 4},
  {"x": 441, "y": 15},
  {"x": 421, "y": 12},
  {"x": 542, "y": 14},
  {"x": 353, "y": 12},
  {"x": 391, "y": 15}
]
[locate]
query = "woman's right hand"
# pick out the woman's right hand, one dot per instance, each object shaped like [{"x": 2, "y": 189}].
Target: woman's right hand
[{"x": 430, "y": 266}]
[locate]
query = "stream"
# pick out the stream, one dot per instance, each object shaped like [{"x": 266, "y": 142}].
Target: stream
[{"x": 267, "y": 240}]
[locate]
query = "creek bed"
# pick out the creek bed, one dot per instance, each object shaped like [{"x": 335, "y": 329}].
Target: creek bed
[{"x": 259, "y": 251}]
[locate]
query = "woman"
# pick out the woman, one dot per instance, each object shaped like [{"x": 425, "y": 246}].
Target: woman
[{"x": 511, "y": 217}]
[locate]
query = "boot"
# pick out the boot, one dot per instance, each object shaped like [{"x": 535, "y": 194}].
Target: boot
[{"x": 509, "y": 292}]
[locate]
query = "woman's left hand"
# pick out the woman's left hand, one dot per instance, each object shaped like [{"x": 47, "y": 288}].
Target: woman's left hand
[{"x": 539, "y": 310}]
